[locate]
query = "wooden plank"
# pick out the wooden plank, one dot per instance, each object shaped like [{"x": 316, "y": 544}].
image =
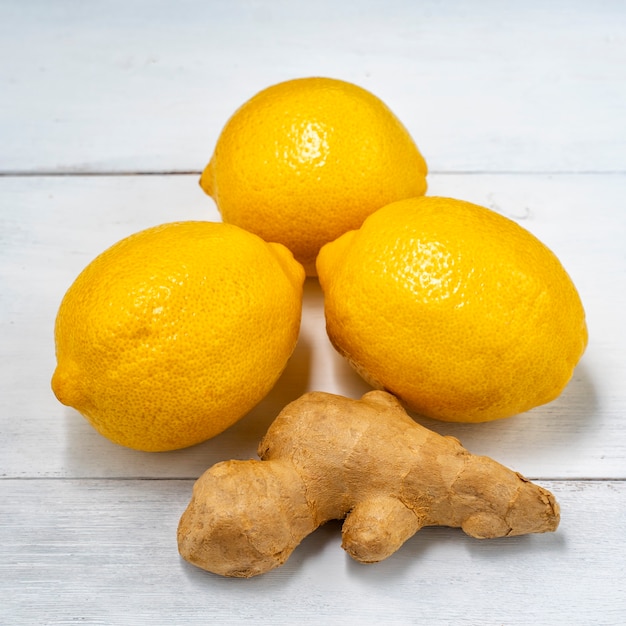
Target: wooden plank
[
  {"x": 57, "y": 225},
  {"x": 144, "y": 85},
  {"x": 104, "y": 552}
]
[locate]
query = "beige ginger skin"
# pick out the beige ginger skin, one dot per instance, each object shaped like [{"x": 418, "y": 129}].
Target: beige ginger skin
[{"x": 366, "y": 461}]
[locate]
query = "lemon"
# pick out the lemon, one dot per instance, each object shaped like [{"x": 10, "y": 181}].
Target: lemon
[
  {"x": 174, "y": 333},
  {"x": 457, "y": 310},
  {"x": 306, "y": 160}
]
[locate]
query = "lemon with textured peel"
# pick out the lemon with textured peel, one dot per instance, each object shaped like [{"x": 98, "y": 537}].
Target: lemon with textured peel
[
  {"x": 174, "y": 333},
  {"x": 306, "y": 160},
  {"x": 457, "y": 310}
]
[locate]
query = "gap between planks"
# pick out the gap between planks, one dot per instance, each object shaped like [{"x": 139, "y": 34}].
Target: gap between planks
[{"x": 124, "y": 173}]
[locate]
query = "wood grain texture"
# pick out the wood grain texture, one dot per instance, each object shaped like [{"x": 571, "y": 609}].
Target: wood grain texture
[
  {"x": 518, "y": 107},
  {"x": 147, "y": 85},
  {"x": 104, "y": 552}
]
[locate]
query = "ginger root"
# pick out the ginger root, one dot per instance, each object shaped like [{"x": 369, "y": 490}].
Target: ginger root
[{"x": 366, "y": 461}]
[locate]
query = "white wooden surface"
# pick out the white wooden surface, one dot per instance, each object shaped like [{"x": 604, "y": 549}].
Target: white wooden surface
[{"x": 108, "y": 110}]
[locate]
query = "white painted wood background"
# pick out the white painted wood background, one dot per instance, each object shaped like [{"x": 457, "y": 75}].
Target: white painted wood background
[{"x": 108, "y": 111}]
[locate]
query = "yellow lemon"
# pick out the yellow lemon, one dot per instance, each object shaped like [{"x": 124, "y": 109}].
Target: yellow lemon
[
  {"x": 174, "y": 333},
  {"x": 306, "y": 160},
  {"x": 457, "y": 310}
]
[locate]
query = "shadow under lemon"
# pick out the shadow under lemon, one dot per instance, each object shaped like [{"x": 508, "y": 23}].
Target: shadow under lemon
[{"x": 545, "y": 441}]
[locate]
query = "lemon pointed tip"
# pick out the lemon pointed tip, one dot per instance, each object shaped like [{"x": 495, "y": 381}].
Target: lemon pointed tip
[
  {"x": 64, "y": 387},
  {"x": 207, "y": 180}
]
